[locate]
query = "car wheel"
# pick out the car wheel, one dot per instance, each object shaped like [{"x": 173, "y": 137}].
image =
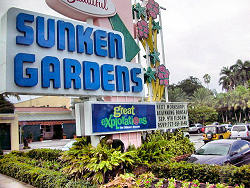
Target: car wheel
[
  {"x": 199, "y": 131},
  {"x": 221, "y": 137},
  {"x": 205, "y": 141}
]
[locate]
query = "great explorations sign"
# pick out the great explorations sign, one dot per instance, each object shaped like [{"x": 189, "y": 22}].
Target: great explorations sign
[
  {"x": 82, "y": 9},
  {"x": 107, "y": 118},
  {"x": 44, "y": 55},
  {"x": 172, "y": 115}
]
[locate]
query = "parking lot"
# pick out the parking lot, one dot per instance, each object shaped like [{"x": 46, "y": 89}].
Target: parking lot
[{"x": 57, "y": 144}]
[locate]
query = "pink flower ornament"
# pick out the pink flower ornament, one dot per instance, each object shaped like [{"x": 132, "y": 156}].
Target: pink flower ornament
[
  {"x": 142, "y": 29},
  {"x": 152, "y": 9},
  {"x": 163, "y": 75}
]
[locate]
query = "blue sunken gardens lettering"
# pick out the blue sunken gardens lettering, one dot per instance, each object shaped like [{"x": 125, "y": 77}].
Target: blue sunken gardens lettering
[{"x": 58, "y": 40}]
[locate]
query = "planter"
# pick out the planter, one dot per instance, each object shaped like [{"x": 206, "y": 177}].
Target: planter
[
  {"x": 74, "y": 136},
  {"x": 64, "y": 136},
  {"x": 41, "y": 139}
]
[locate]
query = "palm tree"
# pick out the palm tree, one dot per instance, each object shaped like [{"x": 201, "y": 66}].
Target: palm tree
[
  {"x": 202, "y": 96},
  {"x": 207, "y": 79},
  {"x": 227, "y": 80},
  {"x": 177, "y": 95},
  {"x": 5, "y": 105},
  {"x": 243, "y": 72}
]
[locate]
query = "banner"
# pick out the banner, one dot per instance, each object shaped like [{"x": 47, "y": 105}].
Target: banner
[{"x": 110, "y": 118}]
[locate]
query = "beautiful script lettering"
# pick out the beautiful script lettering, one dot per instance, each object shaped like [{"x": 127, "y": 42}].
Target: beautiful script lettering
[{"x": 96, "y": 3}]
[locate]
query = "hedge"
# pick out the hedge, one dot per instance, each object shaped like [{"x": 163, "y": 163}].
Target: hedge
[
  {"x": 229, "y": 174},
  {"x": 36, "y": 176},
  {"x": 44, "y": 154}
]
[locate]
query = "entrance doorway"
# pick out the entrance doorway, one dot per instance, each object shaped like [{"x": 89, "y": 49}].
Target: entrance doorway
[
  {"x": 5, "y": 143},
  {"x": 58, "y": 132},
  {"x": 47, "y": 131}
]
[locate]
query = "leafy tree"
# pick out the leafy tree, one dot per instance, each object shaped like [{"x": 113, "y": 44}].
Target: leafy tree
[
  {"x": 202, "y": 114},
  {"x": 189, "y": 85}
]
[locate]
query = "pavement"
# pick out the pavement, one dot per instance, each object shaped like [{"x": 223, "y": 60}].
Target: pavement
[{"x": 9, "y": 182}]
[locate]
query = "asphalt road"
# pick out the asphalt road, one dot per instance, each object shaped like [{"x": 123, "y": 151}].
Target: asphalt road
[{"x": 197, "y": 140}]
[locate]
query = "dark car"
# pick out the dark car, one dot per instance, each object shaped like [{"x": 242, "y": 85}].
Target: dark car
[{"x": 221, "y": 152}]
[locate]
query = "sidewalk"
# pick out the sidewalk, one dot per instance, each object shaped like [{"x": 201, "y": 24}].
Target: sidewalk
[{"x": 9, "y": 182}]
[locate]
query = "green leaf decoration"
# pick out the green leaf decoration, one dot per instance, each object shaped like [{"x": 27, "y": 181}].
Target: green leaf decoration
[
  {"x": 140, "y": 11},
  {"x": 154, "y": 56},
  {"x": 156, "y": 26},
  {"x": 149, "y": 75}
]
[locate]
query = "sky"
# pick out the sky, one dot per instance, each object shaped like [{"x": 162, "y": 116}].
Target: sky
[{"x": 200, "y": 36}]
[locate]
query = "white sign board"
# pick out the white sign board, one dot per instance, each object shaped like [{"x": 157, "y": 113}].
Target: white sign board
[{"x": 172, "y": 115}]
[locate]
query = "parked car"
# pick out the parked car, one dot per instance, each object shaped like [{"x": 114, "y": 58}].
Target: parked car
[
  {"x": 195, "y": 128},
  {"x": 222, "y": 152},
  {"x": 228, "y": 126},
  {"x": 215, "y": 132},
  {"x": 183, "y": 130},
  {"x": 241, "y": 131}
]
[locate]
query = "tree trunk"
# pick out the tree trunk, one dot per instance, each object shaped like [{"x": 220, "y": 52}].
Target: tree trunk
[
  {"x": 235, "y": 115},
  {"x": 223, "y": 117},
  {"x": 240, "y": 117}
]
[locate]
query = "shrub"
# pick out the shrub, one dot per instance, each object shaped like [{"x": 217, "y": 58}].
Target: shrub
[
  {"x": 161, "y": 147},
  {"x": 98, "y": 164},
  {"x": 204, "y": 173},
  {"x": 44, "y": 154},
  {"x": 33, "y": 175}
]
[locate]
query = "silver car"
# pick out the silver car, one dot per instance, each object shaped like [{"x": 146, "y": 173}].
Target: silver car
[
  {"x": 241, "y": 131},
  {"x": 195, "y": 128}
]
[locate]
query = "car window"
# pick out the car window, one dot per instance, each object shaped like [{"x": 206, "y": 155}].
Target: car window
[
  {"x": 239, "y": 128},
  {"x": 192, "y": 125},
  {"x": 221, "y": 129},
  {"x": 210, "y": 129},
  {"x": 248, "y": 127},
  {"x": 239, "y": 146},
  {"x": 199, "y": 125},
  {"x": 244, "y": 147},
  {"x": 213, "y": 149}
]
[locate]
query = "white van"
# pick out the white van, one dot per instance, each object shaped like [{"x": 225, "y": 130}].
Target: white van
[{"x": 241, "y": 131}]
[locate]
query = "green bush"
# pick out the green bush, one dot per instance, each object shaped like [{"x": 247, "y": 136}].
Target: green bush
[
  {"x": 33, "y": 175},
  {"x": 204, "y": 173},
  {"x": 44, "y": 154},
  {"x": 97, "y": 164},
  {"x": 161, "y": 147}
]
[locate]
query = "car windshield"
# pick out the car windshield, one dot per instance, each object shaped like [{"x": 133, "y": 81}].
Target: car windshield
[
  {"x": 214, "y": 149},
  {"x": 239, "y": 128},
  {"x": 210, "y": 129}
]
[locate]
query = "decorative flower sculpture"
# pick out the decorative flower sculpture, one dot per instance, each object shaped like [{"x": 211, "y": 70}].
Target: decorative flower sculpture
[
  {"x": 140, "y": 11},
  {"x": 142, "y": 28},
  {"x": 156, "y": 26},
  {"x": 163, "y": 75},
  {"x": 149, "y": 75},
  {"x": 154, "y": 56},
  {"x": 152, "y": 9}
]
